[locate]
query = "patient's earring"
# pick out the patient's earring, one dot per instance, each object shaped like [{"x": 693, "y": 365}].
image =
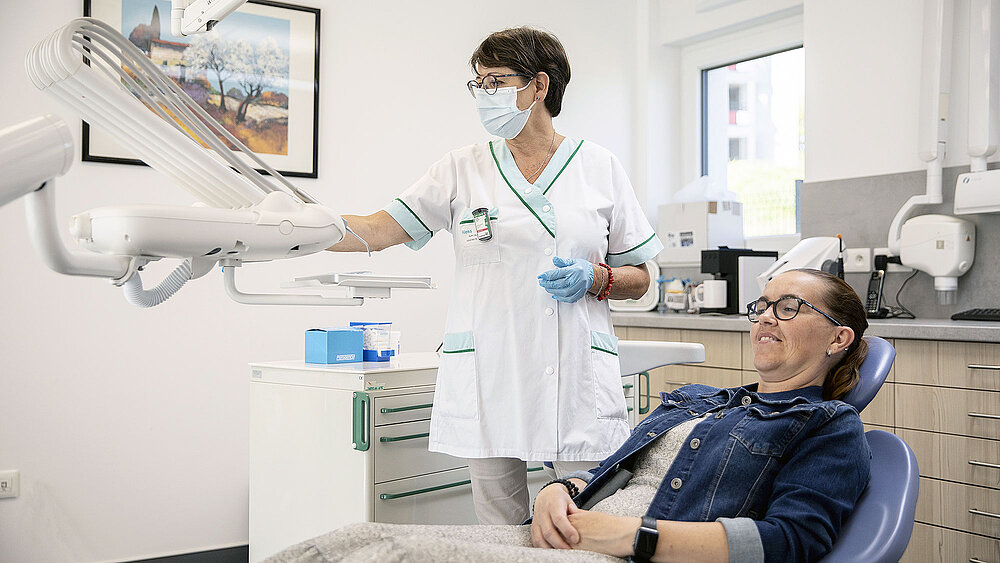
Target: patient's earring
[{"x": 829, "y": 352}]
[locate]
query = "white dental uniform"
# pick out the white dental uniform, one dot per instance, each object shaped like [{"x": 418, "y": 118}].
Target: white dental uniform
[{"x": 521, "y": 374}]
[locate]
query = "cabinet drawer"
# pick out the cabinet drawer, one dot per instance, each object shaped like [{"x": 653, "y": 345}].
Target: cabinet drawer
[
  {"x": 671, "y": 377},
  {"x": 401, "y": 451},
  {"x": 722, "y": 349},
  {"x": 930, "y": 544},
  {"x": 749, "y": 376},
  {"x": 881, "y": 410},
  {"x": 747, "y": 351},
  {"x": 962, "y": 507},
  {"x": 971, "y": 365},
  {"x": 654, "y": 334},
  {"x": 403, "y": 408},
  {"x": 942, "y": 409},
  {"x": 438, "y": 498},
  {"x": 973, "y": 461}
]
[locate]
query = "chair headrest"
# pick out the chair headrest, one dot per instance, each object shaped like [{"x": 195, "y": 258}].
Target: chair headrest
[{"x": 873, "y": 372}]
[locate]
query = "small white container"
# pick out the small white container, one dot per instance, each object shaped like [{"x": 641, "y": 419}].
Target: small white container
[{"x": 376, "y": 345}]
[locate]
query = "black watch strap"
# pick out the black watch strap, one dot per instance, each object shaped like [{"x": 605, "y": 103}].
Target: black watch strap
[{"x": 645, "y": 540}]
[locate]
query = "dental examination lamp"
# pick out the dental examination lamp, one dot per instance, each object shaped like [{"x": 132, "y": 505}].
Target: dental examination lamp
[
  {"x": 240, "y": 216},
  {"x": 188, "y": 17},
  {"x": 819, "y": 253}
]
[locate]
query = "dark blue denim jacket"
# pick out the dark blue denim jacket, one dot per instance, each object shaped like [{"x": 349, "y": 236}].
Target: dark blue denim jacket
[{"x": 790, "y": 461}]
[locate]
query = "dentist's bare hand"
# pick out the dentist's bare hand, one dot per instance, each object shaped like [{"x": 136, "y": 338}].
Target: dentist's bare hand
[{"x": 550, "y": 527}]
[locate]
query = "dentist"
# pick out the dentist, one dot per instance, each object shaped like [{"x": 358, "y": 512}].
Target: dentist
[{"x": 546, "y": 229}]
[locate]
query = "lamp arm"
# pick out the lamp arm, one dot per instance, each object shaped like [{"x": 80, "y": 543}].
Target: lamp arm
[{"x": 39, "y": 207}]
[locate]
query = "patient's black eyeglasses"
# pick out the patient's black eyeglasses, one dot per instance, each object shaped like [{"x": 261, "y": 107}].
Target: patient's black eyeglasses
[{"x": 784, "y": 309}]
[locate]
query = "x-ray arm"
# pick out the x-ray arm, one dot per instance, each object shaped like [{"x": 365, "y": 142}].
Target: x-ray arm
[{"x": 188, "y": 17}]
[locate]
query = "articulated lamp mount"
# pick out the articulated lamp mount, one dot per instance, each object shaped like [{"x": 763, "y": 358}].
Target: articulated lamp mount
[{"x": 240, "y": 216}]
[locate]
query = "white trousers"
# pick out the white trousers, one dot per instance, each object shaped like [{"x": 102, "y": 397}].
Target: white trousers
[{"x": 500, "y": 487}]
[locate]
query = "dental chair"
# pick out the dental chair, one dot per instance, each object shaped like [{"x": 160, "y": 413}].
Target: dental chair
[{"x": 879, "y": 528}]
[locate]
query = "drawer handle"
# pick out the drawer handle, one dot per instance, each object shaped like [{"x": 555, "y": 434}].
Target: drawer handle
[
  {"x": 404, "y": 409},
  {"x": 539, "y": 468},
  {"x": 982, "y": 366},
  {"x": 983, "y": 415},
  {"x": 627, "y": 386},
  {"x": 983, "y": 464},
  {"x": 393, "y": 496},
  {"x": 360, "y": 419},
  {"x": 385, "y": 439},
  {"x": 643, "y": 375},
  {"x": 981, "y": 513},
  {"x": 975, "y": 560}
]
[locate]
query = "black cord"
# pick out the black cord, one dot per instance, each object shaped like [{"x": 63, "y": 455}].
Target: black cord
[{"x": 903, "y": 312}]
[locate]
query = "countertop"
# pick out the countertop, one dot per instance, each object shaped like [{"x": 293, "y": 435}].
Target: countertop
[{"x": 918, "y": 329}]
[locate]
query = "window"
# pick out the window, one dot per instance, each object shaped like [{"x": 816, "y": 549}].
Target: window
[{"x": 752, "y": 137}]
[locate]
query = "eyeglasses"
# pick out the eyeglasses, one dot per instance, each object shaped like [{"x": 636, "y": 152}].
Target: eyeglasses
[
  {"x": 489, "y": 83},
  {"x": 784, "y": 309}
]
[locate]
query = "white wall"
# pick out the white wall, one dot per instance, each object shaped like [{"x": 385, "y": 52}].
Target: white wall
[
  {"x": 129, "y": 426},
  {"x": 863, "y": 62}
]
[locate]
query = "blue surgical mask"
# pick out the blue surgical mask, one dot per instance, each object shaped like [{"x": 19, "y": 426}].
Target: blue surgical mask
[{"x": 499, "y": 112}]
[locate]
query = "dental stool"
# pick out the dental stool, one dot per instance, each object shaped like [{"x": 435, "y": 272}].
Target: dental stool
[{"x": 879, "y": 528}]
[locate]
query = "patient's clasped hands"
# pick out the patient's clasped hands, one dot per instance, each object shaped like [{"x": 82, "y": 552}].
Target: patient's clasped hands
[{"x": 559, "y": 524}]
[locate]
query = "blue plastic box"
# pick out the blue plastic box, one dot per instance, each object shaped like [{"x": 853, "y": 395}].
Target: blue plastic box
[{"x": 338, "y": 345}]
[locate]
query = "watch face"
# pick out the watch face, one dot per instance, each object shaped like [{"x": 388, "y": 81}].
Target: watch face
[{"x": 645, "y": 543}]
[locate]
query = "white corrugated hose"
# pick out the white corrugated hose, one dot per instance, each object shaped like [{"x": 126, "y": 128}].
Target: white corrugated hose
[{"x": 153, "y": 297}]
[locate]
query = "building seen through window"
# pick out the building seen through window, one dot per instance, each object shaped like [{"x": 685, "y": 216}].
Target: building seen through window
[{"x": 753, "y": 137}]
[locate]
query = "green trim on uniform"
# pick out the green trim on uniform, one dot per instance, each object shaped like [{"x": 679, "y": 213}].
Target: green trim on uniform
[
  {"x": 504, "y": 176},
  {"x": 604, "y": 342},
  {"x": 639, "y": 254},
  {"x": 410, "y": 223},
  {"x": 458, "y": 343},
  {"x": 634, "y": 247},
  {"x": 415, "y": 216},
  {"x": 563, "y": 168}
]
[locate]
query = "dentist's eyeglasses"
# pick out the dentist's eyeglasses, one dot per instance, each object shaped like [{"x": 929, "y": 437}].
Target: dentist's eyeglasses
[
  {"x": 784, "y": 309},
  {"x": 489, "y": 83}
]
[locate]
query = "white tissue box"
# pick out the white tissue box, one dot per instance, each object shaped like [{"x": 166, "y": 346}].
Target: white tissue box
[{"x": 685, "y": 229}]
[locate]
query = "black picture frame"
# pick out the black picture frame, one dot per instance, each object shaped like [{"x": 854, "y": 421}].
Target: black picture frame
[{"x": 302, "y": 153}]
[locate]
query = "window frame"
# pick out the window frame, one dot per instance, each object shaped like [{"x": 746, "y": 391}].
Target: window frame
[{"x": 746, "y": 43}]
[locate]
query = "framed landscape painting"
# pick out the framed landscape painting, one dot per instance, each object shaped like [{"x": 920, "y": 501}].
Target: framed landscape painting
[{"x": 256, "y": 72}]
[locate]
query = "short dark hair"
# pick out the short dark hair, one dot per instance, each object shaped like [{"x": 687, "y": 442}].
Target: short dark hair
[
  {"x": 842, "y": 303},
  {"x": 527, "y": 51}
]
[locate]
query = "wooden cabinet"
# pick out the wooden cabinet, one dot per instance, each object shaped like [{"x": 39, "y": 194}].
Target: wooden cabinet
[
  {"x": 941, "y": 397},
  {"x": 931, "y": 543}
]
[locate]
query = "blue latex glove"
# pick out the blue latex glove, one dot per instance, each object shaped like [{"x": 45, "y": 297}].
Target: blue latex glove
[{"x": 569, "y": 281}]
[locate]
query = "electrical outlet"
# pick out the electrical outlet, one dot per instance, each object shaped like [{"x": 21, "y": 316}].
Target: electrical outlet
[
  {"x": 858, "y": 260},
  {"x": 9, "y": 483},
  {"x": 891, "y": 267}
]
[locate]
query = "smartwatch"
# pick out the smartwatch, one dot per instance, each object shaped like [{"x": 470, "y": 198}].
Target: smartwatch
[{"x": 645, "y": 540}]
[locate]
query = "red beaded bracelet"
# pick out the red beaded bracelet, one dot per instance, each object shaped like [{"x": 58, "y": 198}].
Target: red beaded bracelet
[{"x": 611, "y": 280}]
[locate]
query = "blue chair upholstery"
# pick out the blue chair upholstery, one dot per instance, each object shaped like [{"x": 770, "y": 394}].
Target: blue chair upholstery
[{"x": 879, "y": 528}]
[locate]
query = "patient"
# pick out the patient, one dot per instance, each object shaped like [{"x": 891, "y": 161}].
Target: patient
[{"x": 762, "y": 472}]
